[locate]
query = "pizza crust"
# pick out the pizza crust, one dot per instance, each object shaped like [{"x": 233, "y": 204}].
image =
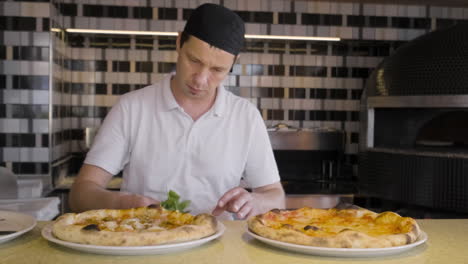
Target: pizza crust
[
  {"x": 344, "y": 237},
  {"x": 67, "y": 227}
]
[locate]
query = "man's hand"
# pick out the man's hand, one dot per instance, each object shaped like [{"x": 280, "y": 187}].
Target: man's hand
[
  {"x": 236, "y": 200},
  {"x": 129, "y": 200},
  {"x": 245, "y": 204}
]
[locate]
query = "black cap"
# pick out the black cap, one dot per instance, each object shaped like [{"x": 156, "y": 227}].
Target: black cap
[{"x": 217, "y": 26}]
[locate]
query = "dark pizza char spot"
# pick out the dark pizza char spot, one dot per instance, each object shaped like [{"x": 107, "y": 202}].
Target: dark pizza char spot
[
  {"x": 287, "y": 226},
  {"x": 408, "y": 239},
  {"x": 153, "y": 206},
  {"x": 308, "y": 227},
  {"x": 92, "y": 227},
  {"x": 276, "y": 211}
]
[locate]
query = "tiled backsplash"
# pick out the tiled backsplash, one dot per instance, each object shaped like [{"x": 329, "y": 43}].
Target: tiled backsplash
[{"x": 304, "y": 84}]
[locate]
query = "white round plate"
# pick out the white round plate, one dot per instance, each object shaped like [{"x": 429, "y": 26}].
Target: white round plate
[
  {"x": 341, "y": 252},
  {"x": 13, "y": 221},
  {"x": 143, "y": 250}
]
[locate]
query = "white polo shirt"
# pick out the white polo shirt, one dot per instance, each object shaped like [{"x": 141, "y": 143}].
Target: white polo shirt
[{"x": 160, "y": 148}]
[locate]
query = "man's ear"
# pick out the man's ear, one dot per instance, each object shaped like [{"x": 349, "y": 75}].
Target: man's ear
[{"x": 178, "y": 41}]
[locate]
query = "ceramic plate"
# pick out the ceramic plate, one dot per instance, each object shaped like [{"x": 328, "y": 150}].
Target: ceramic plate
[
  {"x": 342, "y": 252},
  {"x": 17, "y": 222},
  {"x": 143, "y": 250}
]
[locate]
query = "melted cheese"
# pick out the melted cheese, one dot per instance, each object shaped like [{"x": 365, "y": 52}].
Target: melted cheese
[
  {"x": 323, "y": 223},
  {"x": 128, "y": 222}
]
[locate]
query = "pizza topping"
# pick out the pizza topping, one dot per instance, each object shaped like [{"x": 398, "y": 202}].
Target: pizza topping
[
  {"x": 336, "y": 227},
  {"x": 91, "y": 227},
  {"x": 314, "y": 228}
]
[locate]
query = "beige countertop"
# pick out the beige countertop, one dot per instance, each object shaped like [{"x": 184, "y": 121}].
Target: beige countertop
[{"x": 447, "y": 244}]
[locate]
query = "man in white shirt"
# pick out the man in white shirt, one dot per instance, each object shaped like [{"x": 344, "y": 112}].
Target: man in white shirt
[{"x": 187, "y": 134}]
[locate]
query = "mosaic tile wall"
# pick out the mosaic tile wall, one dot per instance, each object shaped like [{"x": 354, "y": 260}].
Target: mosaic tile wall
[{"x": 303, "y": 84}]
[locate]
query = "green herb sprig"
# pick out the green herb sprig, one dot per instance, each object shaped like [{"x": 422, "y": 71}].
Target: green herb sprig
[{"x": 172, "y": 203}]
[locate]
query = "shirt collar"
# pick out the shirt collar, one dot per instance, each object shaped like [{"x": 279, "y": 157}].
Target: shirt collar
[{"x": 169, "y": 102}]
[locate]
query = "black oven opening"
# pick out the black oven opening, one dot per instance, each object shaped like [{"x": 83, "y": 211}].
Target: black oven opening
[{"x": 447, "y": 132}]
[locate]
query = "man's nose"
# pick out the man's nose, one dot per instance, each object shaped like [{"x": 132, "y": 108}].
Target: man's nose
[{"x": 201, "y": 77}]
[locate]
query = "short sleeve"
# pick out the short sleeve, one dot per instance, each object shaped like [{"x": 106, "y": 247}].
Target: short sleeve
[
  {"x": 109, "y": 150},
  {"x": 261, "y": 168}
]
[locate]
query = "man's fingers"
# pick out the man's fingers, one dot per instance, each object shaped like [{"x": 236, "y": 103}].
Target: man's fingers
[
  {"x": 227, "y": 197},
  {"x": 238, "y": 202},
  {"x": 245, "y": 210}
]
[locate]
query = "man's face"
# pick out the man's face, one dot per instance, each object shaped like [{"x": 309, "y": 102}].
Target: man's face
[{"x": 200, "y": 69}]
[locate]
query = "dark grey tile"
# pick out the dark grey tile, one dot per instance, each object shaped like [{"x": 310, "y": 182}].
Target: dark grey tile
[
  {"x": 24, "y": 167},
  {"x": 100, "y": 88},
  {"x": 360, "y": 72},
  {"x": 310, "y": 19},
  {"x": 2, "y": 53},
  {"x": 3, "y": 140},
  {"x": 144, "y": 12},
  {"x": 318, "y": 115},
  {"x": 166, "y": 67},
  {"x": 144, "y": 66},
  {"x": 276, "y": 70},
  {"x": 331, "y": 20},
  {"x": 422, "y": 23},
  {"x": 263, "y": 17},
  {"x": 22, "y": 24},
  {"x": 275, "y": 114},
  {"x": 297, "y": 93},
  {"x": 186, "y": 13},
  {"x": 317, "y": 71},
  {"x": 339, "y": 72},
  {"x": 246, "y": 16},
  {"x": 167, "y": 13},
  {"x": 45, "y": 140},
  {"x": 117, "y": 11},
  {"x": 2, "y": 81},
  {"x": 297, "y": 115},
  {"x": 120, "y": 66},
  {"x": 337, "y": 115},
  {"x": 100, "y": 65},
  {"x": 356, "y": 94},
  {"x": 67, "y": 9},
  {"x": 401, "y": 22},
  {"x": 340, "y": 94},
  {"x": 356, "y": 21},
  {"x": 118, "y": 89},
  {"x": 378, "y": 21},
  {"x": 287, "y": 18},
  {"x": 30, "y": 82},
  {"x": 93, "y": 10}
]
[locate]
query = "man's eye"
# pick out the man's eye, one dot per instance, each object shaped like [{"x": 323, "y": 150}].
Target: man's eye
[
  {"x": 194, "y": 60},
  {"x": 218, "y": 70}
]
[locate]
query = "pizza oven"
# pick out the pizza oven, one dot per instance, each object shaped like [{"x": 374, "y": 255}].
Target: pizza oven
[{"x": 414, "y": 124}]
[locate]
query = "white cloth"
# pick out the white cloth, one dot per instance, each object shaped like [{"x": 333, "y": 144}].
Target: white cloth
[{"x": 160, "y": 148}]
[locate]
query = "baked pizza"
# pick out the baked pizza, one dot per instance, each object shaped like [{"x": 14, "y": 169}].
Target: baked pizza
[
  {"x": 336, "y": 228},
  {"x": 152, "y": 225}
]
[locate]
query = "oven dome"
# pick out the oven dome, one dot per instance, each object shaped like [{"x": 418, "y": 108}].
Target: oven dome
[{"x": 433, "y": 64}]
